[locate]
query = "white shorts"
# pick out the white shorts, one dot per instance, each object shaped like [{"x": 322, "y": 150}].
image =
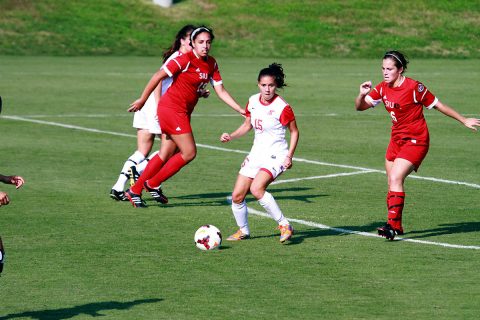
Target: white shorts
[
  {"x": 147, "y": 117},
  {"x": 270, "y": 163}
]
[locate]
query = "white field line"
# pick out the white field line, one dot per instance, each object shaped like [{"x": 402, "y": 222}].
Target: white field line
[
  {"x": 366, "y": 170},
  {"x": 263, "y": 214},
  {"x": 334, "y": 175},
  {"x": 365, "y": 234}
]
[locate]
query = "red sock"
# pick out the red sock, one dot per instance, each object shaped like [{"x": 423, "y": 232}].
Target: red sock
[
  {"x": 395, "y": 202},
  {"x": 172, "y": 166},
  {"x": 152, "y": 168}
]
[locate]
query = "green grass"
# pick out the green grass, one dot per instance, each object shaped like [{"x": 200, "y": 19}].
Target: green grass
[
  {"x": 329, "y": 28},
  {"x": 72, "y": 252}
]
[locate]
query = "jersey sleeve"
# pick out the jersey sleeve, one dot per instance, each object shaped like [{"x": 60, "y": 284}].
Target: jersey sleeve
[
  {"x": 247, "y": 111},
  {"x": 216, "y": 78},
  {"x": 287, "y": 116},
  {"x": 422, "y": 95},
  {"x": 176, "y": 65},
  {"x": 375, "y": 96}
]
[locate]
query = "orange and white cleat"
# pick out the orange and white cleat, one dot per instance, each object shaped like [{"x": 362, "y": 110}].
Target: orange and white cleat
[
  {"x": 237, "y": 236},
  {"x": 286, "y": 232}
]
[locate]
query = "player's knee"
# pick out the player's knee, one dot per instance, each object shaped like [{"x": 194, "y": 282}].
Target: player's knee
[
  {"x": 237, "y": 197},
  {"x": 189, "y": 155},
  {"x": 257, "y": 191}
]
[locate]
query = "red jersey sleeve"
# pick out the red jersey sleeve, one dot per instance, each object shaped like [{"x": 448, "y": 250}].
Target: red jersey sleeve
[
  {"x": 422, "y": 95},
  {"x": 287, "y": 116},
  {"x": 375, "y": 96},
  {"x": 247, "y": 112},
  {"x": 177, "y": 64},
  {"x": 216, "y": 78}
]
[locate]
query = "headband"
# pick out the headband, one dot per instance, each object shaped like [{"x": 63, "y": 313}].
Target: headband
[
  {"x": 398, "y": 59},
  {"x": 194, "y": 32}
]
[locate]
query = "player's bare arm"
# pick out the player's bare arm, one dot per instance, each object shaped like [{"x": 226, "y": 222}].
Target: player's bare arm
[
  {"x": 227, "y": 98},
  {"x": 294, "y": 136},
  {"x": 151, "y": 85},
  {"x": 471, "y": 123},
  {"x": 241, "y": 131}
]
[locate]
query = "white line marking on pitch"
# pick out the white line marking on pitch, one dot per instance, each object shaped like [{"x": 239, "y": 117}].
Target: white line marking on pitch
[
  {"x": 472, "y": 185},
  {"x": 259, "y": 213},
  {"x": 360, "y": 233}
]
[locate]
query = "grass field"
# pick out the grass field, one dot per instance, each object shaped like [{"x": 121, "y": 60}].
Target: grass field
[
  {"x": 73, "y": 253},
  {"x": 243, "y": 28}
]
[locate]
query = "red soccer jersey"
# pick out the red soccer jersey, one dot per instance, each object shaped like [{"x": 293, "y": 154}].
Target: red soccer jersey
[
  {"x": 190, "y": 74},
  {"x": 405, "y": 106}
]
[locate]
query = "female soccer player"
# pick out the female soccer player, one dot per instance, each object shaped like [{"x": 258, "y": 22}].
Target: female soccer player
[
  {"x": 147, "y": 125},
  {"x": 404, "y": 99},
  {"x": 191, "y": 72},
  {"x": 270, "y": 116}
]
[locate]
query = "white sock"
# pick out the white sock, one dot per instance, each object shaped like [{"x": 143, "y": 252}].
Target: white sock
[
  {"x": 271, "y": 206},
  {"x": 240, "y": 213},
  {"x": 142, "y": 165},
  {"x": 135, "y": 158}
]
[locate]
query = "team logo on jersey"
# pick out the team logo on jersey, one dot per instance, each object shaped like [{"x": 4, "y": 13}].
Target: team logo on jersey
[
  {"x": 421, "y": 87},
  {"x": 270, "y": 112},
  {"x": 273, "y": 156},
  {"x": 178, "y": 129}
]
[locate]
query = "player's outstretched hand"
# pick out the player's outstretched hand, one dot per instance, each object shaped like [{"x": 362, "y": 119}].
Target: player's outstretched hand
[
  {"x": 136, "y": 105},
  {"x": 225, "y": 137},
  {"x": 17, "y": 181},
  {"x": 472, "y": 123}
]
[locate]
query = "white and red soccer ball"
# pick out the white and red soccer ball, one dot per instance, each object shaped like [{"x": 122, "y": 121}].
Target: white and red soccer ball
[{"x": 208, "y": 237}]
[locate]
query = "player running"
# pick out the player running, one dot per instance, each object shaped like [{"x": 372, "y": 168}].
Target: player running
[
  {"x": 191, "y": 72},
  {"x": 146, "y": 122},
  {"x": 404, "y": 99},
  {"x": 270, "y": 116}
]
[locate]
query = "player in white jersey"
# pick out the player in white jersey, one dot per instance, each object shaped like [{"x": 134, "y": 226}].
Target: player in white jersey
[
  {"x": 147, "y": 125},
  {"x": 270, "y": 116}
]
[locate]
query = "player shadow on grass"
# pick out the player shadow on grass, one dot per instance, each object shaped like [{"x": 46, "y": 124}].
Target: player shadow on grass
[
  {"x": 446, "y": 228},
  {"x": 91, "y": 309},
  {"x": 300, "y": 235},
  {"x": 219, "y": 198}
]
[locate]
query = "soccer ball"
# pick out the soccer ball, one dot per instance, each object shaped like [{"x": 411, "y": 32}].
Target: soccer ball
[{"x": 208, "y": 237}]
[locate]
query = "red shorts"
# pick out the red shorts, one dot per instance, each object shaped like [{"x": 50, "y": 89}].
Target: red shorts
[
  {"x": 173, "y": 122},
  {"x": 407, "y": 150}
]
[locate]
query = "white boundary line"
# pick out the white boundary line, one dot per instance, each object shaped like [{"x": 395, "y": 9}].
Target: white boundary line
[
  {"x": 361, "y": 233},
  {"x": 299, "y": 221}
]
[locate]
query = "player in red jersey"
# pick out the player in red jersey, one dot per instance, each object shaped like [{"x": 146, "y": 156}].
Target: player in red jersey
[
  {"x": 404, "y": 99},
  {"x": 146, "y": 123},
  {"x": 269, "y": 115},
  {"x": 191, "y": 72}
]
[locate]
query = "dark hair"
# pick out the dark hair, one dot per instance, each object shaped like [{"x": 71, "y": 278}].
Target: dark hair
[
  {"x": 176, "y": 44},
  {"x": 399, "y": 58},
  {"x": 274, "y": 70},
  {"x": 199, "y": 30}
]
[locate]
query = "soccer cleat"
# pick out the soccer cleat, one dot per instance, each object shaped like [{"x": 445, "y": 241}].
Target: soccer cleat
[
  {"x": 286, "y": 232},
  {"x": 118, "y": 195},
  {"x": 133, "y": 175},
  {"x": 2, "y": 255},
  {"x": 237, "y": 236},
  {"x": 388, "y": 232},
  {"x": 156, "y": 193},
  {"x": 135, "y": 199}
]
